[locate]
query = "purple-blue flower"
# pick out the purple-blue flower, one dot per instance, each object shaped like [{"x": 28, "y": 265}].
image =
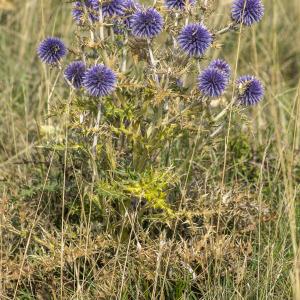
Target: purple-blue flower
[
  {"x": 51, "y": 50},
  {"x": 99, "y": 81},
  {"x": 249, "y": 90},
  {"x": 212, "y": 82},
  {"x": 221, "y": 65},
  {"x": 147, "y": 23},
  {"x": 74, "y": 73},
  {"x": 113, "y": 8},
  {"x": 247, "y": 12},
  {"x": 195, "y": 39},
  {"x": 178, "y": 4},
  {"x": 92, "y": 8}
]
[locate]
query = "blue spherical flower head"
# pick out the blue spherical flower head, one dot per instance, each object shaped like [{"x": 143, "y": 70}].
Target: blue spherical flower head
[
  {"x": 51, "y": 50},
  {"x": 221, "y": 65},
  {"x": 91, "y": 6},
  {"x": 195, "y": 39},
  {"x": 178, "y": 4},
  {"x": 212, "y": 82},
  {"x": 247, "y": 12},
  {"x": 74, "y": 73},
  {"x": 113, "y": 8},
  {"x": 249, "y": 90},
  {"x": 99, "y": 81},
  {"x": 147, "y": 23}
]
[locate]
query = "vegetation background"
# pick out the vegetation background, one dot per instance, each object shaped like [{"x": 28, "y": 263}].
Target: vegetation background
[{"x": 263, "y": 162}]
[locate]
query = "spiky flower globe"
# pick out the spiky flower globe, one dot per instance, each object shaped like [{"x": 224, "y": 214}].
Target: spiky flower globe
[
  {"x": 247, "y": 12},
  {"x": 195, "y": 39},
  {"x": 221, "y": 65},
  {"x": 178, "y": 4},
  {"x": 51, "y": 50},
  {"x": 212, "y": 82},
  {"x": 89, "y": 6},
  {"x": 99, "y": 81},
  {"x": 74, "y": 73},
  {"x": 147, "y": 23},
  {"x": 249, "y": 90},
  {"x": 113, "y": 8}
]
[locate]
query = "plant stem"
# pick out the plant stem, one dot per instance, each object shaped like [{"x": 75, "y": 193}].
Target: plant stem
[
  {"x": 97, "y": 124},
  {"x": 124, "y": 54},
  {"x": 152, "y": 61}
]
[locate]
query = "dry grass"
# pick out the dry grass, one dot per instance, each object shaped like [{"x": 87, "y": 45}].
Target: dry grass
[{"x": 237, "y": 239}]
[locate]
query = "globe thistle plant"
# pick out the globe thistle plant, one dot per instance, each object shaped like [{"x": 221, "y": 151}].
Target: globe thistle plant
[
  {"x": 92, "y": 8},
  {"x": 139, "y": 95},
  {"x": 195, "y": 39},
  {"x": 147, "y": 23},
  {"x": 212, "y": 82},
  {"x": 178, "y": 4},
  {"x": 51, "y": 50},
  {"x": 74, "y": 73},
  {"x": 99, "y": 81},
  {"x": 247, "y": 12},
  {"x": 250, "y": 90}
]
